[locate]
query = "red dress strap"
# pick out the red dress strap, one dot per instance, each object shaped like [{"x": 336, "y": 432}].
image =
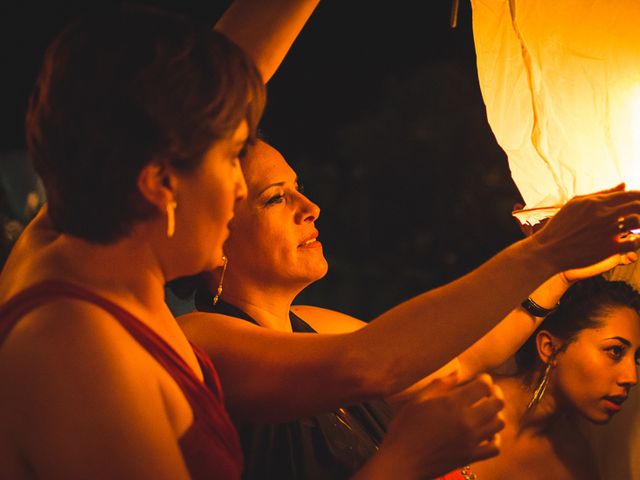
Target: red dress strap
[{"x": 210, "y": 446}]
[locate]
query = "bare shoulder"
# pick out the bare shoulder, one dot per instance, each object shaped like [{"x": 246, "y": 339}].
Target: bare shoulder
[
  {"x": 67, "y": 344},
  {"x": 324, "y": 320},
  {"x": 76, "y": 383}
]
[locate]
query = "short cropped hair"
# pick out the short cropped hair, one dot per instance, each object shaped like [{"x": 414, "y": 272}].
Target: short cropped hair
[{"x": 124, "y": 88}]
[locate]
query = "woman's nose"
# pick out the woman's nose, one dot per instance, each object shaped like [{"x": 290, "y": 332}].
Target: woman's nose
[
  {"x": 307, "y": 211},
  {"x": 629, "y": 375}
]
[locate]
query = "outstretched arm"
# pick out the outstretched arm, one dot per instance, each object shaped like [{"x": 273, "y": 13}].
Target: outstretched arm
[
  {"x": 504, "y": 339},
  {"x": 494, "y": 348},
  {"x": 415, "y": 338},
  {"x": 265, "y": 29}
]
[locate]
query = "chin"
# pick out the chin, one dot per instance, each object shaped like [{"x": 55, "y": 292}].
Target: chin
[
  {"x": 599, "y": 418},
  {"x": 321, "y": 271}
]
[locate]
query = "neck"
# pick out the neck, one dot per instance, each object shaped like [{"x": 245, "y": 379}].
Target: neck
[
  {"x": 127, "y": 271},
  {"x": 127, "y": 268},
  {"x": 268, "y": 304},
  {"x": 538, "y": 419}
]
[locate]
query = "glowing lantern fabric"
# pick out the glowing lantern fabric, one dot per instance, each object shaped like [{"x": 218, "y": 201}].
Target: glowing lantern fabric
[{"x": 561, "y": 84}]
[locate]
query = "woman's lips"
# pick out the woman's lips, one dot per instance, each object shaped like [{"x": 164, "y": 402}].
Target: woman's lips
[
  {"x": 311, "y": 243},
  {"x": 614, "y": 403}
]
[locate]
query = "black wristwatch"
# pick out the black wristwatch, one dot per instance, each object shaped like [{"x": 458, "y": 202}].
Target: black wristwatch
[{"x": 536, "y": 310}]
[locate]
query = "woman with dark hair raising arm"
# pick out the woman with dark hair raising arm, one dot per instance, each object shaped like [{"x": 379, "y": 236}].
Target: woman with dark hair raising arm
[
  {"x": 274, "y": 253},
  {"x": 580, "y": 363}
]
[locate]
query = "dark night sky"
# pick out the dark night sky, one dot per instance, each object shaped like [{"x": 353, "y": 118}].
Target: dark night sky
[{"x": 377, "y": 106}]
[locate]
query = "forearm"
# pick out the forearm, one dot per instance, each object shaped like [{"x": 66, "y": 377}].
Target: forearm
[
  {"x": 388, "y": 355},
  {"x": 419, "y": 336},
  {"x": 265, "y": 30},
  {"x": 503, "y": 340}
]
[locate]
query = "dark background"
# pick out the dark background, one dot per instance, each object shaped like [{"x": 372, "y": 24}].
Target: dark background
[{"x": 377, "y": 107}]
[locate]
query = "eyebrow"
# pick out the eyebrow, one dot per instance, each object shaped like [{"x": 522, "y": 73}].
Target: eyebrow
[
  {"x": 277, "y": 184},
  {"x": 620, "y": 339}
]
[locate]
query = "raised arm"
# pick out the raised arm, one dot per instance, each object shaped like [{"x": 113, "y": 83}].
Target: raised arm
[
  {"x": 265, "y": 29},
  {"x": 504, "y": 339},
  {"x": 413, "y": 339}
]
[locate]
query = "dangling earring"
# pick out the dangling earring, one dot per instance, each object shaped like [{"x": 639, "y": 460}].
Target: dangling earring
[
  {"x": 171, "y": 218},
  {"x": 542, "y": 386},
  {"x": 224, "y": 269}
]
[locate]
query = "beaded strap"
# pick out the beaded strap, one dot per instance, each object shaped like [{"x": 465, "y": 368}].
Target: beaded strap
[{"x": 467, "y": 474}]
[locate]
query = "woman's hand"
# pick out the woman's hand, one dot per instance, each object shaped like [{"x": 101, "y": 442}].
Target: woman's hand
[
  {"x": 573, "y": 275},
  {"x": 592, "y": 227},
  {"x": 444, "y": 427}
]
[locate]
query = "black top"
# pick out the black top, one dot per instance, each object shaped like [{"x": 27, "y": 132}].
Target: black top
[{"x": 327, "y": 446}]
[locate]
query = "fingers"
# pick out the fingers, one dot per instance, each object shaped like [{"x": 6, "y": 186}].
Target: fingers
[
  {"x": 628, "y": 257},
  {"x": 487, "y": 449},
  {"x": 440, "y": 385},
  {"x": 629, "y": 243},
  {"x": 486, "y": 415},
  {"x": 486, "y": 409},
  {"x": 625, "y": 217},
  {"x": 477, "y": 388},
  {"x": 459, "y": 426},
  {"x": 612, "y": 198},
  {"x": 618, "y": 188}
]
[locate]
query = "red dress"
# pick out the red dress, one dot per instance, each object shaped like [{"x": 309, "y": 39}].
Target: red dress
[
  {"x": 210, "y": 447},
  {"x": 455, "y": 475},
  {"x": 463, "y": 473}
]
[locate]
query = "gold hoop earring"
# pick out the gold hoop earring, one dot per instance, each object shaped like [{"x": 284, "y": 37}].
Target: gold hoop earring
[
  {"x": 171, "y": 218},
  {"x": 224, "y": 269},
  {"x": 539, "y": 392}
]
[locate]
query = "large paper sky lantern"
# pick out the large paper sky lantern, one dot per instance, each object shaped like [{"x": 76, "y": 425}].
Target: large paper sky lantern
[{"x": 561, "y": 84}]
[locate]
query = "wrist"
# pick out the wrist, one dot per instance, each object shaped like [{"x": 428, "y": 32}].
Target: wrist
[
  {"x": 541, "y": 257},
  {"x": 549, "y": 254},
  {"x": 535, "y": 309},
  {"x": 565, "y": 281}
]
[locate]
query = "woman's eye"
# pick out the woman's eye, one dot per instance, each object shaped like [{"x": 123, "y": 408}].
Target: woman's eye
[
  {"x": 616, "y": 352},
  {"x": 275, "y": 199}
]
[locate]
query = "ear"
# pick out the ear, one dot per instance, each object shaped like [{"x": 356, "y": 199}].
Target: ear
[
  {"x": 157, "y": 184},
  {"x": 547, "y": 346}
]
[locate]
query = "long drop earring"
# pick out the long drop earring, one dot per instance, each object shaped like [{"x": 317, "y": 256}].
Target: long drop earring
[
  {"x": 224, "y": 269},
  {"x": 171, "y": 218},
  {"x": 538, "y": 393}
]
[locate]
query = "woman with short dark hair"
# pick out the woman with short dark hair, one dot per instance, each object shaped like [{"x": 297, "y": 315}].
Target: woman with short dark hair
[{"x": 135, "y": 126}]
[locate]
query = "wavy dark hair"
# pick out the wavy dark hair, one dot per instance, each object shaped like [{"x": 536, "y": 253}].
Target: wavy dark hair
[
  {"x": 581, "y": 307},
  {"x": 120, "y": 89}
]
